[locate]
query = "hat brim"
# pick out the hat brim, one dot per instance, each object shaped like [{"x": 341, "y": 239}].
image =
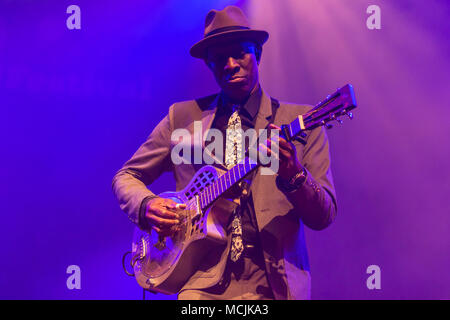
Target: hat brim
[{"x": 198, "y": 50}]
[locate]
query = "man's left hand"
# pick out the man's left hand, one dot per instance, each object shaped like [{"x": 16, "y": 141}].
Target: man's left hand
[{"x": 287, "y": 155}]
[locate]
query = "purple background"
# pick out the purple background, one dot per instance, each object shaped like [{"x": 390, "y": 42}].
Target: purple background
[{"x": 76, "y": 104}]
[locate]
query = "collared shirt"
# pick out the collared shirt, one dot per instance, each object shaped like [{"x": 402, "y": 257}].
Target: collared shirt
[{"x": 247, "y": 113}]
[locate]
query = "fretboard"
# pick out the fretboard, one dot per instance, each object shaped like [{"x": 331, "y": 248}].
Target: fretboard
[{"x": 226, "y": 181}]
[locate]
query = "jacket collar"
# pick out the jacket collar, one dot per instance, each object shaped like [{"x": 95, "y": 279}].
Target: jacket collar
[{"x": 262, "y": 118}]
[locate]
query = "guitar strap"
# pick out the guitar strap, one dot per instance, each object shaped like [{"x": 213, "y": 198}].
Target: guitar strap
[
  {"x": 245, "y": 185},
  {"x": 275, "y": 105}
]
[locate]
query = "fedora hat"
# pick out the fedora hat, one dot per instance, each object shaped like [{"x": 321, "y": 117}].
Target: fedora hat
[{"x": 226, "y": 25}]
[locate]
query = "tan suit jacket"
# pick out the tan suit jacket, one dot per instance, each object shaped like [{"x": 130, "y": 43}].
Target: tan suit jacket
[{"x": 280, "y": 227}]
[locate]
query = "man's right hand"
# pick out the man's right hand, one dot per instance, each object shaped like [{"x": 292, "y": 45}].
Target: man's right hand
[{"x": 161, "y": 215}]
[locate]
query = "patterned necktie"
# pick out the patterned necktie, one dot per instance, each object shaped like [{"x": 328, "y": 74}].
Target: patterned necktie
[
  {"x": 233, "y": 151},
  {"x": 233, "y": 155}
]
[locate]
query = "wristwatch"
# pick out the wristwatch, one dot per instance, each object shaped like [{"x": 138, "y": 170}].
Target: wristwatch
[{"x": 294, "y": 183}]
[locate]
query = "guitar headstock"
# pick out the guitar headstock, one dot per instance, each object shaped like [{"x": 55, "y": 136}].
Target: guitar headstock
[{"x": 335, "y": 105}]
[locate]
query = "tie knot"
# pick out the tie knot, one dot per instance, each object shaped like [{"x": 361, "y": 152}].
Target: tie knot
[{"x": 235, "y": 107}]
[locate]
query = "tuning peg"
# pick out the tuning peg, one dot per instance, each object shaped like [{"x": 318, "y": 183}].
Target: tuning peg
[
  {"x": 350, "y": 115},
  {"x": 340, "y": 121}
]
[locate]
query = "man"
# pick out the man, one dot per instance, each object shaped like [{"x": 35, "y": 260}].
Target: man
[{"x": 266, "y": 256}]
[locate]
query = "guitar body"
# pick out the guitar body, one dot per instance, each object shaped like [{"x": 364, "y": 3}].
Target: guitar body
[{"x": 165, "y": 264}]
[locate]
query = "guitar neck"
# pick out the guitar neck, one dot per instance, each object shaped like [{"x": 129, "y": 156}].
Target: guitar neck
[
  {"x": 337, "y": 104},
  {"x": 226, "y": 181}
]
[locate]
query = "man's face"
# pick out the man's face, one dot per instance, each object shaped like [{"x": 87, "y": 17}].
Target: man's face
[{"x": 235, "y": 67}]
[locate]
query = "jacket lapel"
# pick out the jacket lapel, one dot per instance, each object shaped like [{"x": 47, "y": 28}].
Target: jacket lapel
[
  {"x": 264, "y": 113},
  {"x": 261, "y": 182},
  {"x": 208, "y": 116}
]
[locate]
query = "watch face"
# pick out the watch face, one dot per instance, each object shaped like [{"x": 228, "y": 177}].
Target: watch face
[{"x": 300, "y": 179}]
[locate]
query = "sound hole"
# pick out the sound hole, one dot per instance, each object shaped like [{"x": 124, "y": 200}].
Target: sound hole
[{"x": 203, "y": 180}]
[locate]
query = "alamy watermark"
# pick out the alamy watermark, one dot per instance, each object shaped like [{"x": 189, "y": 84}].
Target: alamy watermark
[
  {"x": 374, "y": 280},
  {"x": 189, "y": 149},
  {"x": 374, "y": 20},
  {"x": 74, "y": 20},
  {"x": 74, "y": 280}
]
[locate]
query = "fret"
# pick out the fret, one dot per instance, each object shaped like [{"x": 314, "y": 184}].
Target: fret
[
  {"x": 244, "y": 172},
  {"x": 211, "y": 195},
  {"x": 207, "y": 194},
  {"x": 225, "y": 180},
  {"x": 216, "y": 191},
  {"x": 240, "y": 170},
  {"x": 206, "y": 197},
  {"x": 222, "y": 190},
  {"x": 216, "y": 187},
  {"x": 205, "y": 203},
  {"x": 224, "y": 187},
  {"x": 220, "y": 180},
  {"x": 217, "y": 182},
  {"x": 202, "y": 199}
]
